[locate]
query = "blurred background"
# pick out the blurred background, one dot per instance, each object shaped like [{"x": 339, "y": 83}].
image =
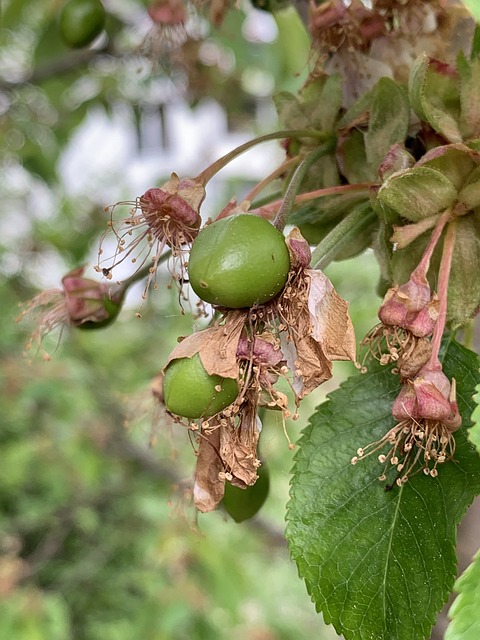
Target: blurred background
[{"x": 98, "y": 536}]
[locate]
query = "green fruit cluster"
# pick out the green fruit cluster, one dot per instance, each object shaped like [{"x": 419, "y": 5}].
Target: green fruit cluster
[{"x": 236, "y": 262}]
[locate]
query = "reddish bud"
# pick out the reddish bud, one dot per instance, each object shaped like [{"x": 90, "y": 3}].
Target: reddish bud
[
  {"x": 410, "y": 307},
  {"x": 300, "y": 254},
  {"x": 172, "y": 212},
  {"x": 429, "y": 396},
  {"x": 167, "y": 12},
  {"x": 261, "y": 351},
  {"x": 88, "y": 302},
  {"x": 81, "y": 303},
  {"x": 424, "y": 322},
  {"x": 396, "y": 159}
]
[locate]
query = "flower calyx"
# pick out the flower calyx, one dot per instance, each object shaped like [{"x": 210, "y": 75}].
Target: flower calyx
[
  {"x": 429, "y": 396},
  {"x": 408, "y": 317},
  {"x": 427, "y": 416},
  {"x": 168, "y": 216},
  {"x": 81, "y": 302}
]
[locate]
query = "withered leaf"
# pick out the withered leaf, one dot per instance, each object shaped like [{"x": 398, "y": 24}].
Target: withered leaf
[
  {"x": 306, "y": 358},
  {"x": 216, "y": 346},
  {"x": 323, "y": 332},
  {"x": 331, "y": 326},
  {"x": 238, "y": 447},
  {"x": 209, "y": 484}
]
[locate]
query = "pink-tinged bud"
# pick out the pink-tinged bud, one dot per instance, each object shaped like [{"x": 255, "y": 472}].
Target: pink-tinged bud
[
  {"x": 405, "y": 405},
  {"x": 165, "y": 216},
  {"x": 261, "y": 351},
  {"x": 81, "y": 303},
  {"x": 172, "y": 212},
  {"x": 89, "y": 303},
  {"x": 429, "y": 396},
  {"x": 300, "y": 253},
  {"x": 402, "y": 304},
  {"x": 425, "y": 320},
  {"x": 167, "y": 12},
  {"x": 396, "y": 159}
]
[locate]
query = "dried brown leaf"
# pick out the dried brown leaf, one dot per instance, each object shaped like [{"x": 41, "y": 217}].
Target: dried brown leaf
[
  {"x": 216, "y": 346},
  {"x": 209, "y": 484},
  {"x": 306, "y": 358},
  {"x": 238, "y": 448},
  {"x": 331, "y": 326},
  {"x": 322, "y": 332}
]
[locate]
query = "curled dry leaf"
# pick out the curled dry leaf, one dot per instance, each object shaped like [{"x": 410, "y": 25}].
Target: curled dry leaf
[
  {"x": 216, "y": 346},
  {"x": 323, "y": 333},
  {"x": 238, "y": 448},
  {"x": 209, "y": 484},
  {"x": 330, "y": 320}
]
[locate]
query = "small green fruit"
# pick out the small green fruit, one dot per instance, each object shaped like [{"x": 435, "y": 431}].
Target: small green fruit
[
  {"x": 242, "y": 504},
  {"x": 81, "y": 21},
  {"x": 191, "y": 393},
  {"x": 239, "y": 261}
]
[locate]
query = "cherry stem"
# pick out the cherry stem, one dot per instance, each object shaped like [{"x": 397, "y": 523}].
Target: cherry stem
[
  {"x": 208, "y": 173},
  {"x": 361, "y": 218},
  {"x": 420, "y": 272},
  {"x": 142, "y": 273},
  {"x": 276, "y": 173},
  {"x": 268, "y": 210},
  {"x": 295, "y": 183},
  {"x": 443, "y": 279}
]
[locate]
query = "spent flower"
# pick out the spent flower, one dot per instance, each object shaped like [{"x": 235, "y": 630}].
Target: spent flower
[
  {"x": 162, "y": 217},
  {"x": 427, "y": 416},
  {"x": 81, "y": 302}
]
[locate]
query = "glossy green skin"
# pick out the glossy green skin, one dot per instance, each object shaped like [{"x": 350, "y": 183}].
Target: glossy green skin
[
  {"x": 242, "y": 504},
  {"x": 190, "y": 392},
  {"x": 81, "y": 21},
  {"x": 238, "y": 261}
]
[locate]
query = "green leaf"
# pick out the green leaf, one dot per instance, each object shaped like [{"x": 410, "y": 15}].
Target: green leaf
[
  {"x": 434, "y": 96},
  {"x": 418, "y": 193},
  {"x": 388, "y": 123},
  {"x": 469, "y": 72},
  {"x": 352, "y": 158},
  {"x": 474, "y": 432},
  {"x": 465, "y": 624},
  {"x": 455, "y": 161},
  {"x": 317, "y": 105},
  {"x": 378, "y": 564}
]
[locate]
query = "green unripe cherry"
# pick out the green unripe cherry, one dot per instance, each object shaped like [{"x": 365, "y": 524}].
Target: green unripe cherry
[
  {"x": 238, "y": 261},
  {"x": 189, "y": 391},
  {"x": 81, "y": 21},
  {"x": 242, "y": 504}
]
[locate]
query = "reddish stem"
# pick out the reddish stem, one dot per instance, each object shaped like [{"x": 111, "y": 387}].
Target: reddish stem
[
  {"x": 276, "y": 173},
  {"x": 270, "y": 209},
  {"x": 420, "y": 272},
  {"x": 443, "y": 279}
]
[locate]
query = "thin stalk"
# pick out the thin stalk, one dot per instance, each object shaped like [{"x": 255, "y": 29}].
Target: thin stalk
[
  {"x": 296, "y": 182},
  {"x": 208, "y": 173},
  {"x": 358, "y": 220},
  {"x": 469, "y": 335},
  {"x": 443, "y": 279},
  {"x": 139, "y": 275},
  {"x": 262, "y": 202},
  {"x": 276, "y": 173},
  {"x": 420, "y": 272},
  {"x": 312, "y": 195}
]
